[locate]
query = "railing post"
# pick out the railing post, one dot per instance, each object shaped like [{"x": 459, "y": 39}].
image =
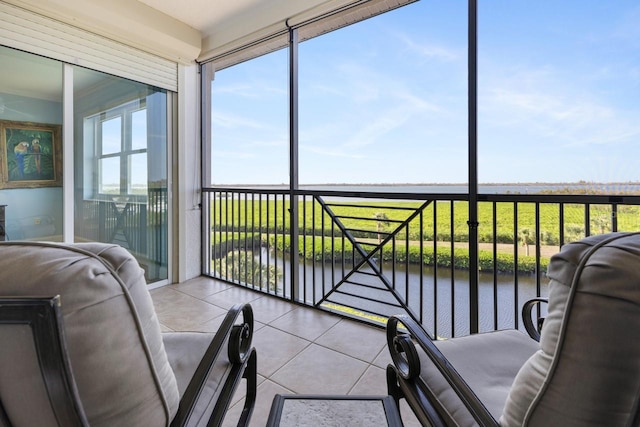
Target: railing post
[
  {"x": 143, "y": 228},
  {"x": 473, "y": 165},
  {"x": 293, "y": 163},
  {"x": 102, "y": 221}
]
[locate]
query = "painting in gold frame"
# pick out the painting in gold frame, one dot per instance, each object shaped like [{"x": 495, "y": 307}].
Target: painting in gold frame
[{"x": 31, "y": 155}]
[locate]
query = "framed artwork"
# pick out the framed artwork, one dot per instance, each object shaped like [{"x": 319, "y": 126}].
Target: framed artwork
[{"x": 31, "y": 155}]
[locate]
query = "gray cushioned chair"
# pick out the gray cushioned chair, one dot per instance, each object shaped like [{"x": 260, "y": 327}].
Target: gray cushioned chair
[
  {"x": 584, "y": 371},
  {"x": 80, "y": 344}
]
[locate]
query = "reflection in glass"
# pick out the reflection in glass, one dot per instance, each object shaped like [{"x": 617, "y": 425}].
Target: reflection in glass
[
  {"x": 121, "y": 167},
  {"x": 139, "y": 129},
  {"x": 111, "y": 136},
  {"x": 109, "y": 175},
  {"x": 31, "y": 111},
  {"x": 137, "y": 174}
]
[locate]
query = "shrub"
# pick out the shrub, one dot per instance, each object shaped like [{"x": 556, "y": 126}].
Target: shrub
[{"x": 332, "y": 250}]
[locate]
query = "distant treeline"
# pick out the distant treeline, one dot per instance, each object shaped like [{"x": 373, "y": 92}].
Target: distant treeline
[{"x": 595, "y": 190}]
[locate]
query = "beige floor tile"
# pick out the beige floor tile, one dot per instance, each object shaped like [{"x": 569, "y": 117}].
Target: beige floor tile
[
  {"x": 162, "y": 298},
  {"x": 408, "y": 417},
  {"x": 373, "y": 381},
  {"x": 214, "y": 324},
  {"x": 201, "y": 287},
  {"x": 241, "y": 391},
  {"x": 300, "y": 350},
  {"x": 275, "y": 348},
  {"x": 305, "y": 323},
  {"x": 383, "y": 358},
  {"x": 181, "y": 312},
  {"x": 318, "y": 370},
  {"x": 268, "y": 309},
  {"x": 232, "y": 295},
  {"x": 354, "y": 339},
  {"x": 266, "y": 391}
]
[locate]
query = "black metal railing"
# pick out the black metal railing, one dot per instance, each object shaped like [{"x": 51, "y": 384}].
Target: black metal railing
[
  {"x": 138, "y": 223},
  {"x": 370, "y": 255}
]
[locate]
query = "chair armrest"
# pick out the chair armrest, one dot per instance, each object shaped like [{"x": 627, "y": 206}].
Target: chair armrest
[
  {"x": 533, "y": 331},
  {"x": 239, "y": 351},
  {"x": 407, "y": 363},
  {"x": 44, "y": 317}
]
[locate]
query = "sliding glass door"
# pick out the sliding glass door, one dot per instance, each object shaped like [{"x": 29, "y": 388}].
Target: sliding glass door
[
  {"x": 30, "y": 146},
  {"x": 121, "y": 167},
  {"x": 117, "y": 151}
]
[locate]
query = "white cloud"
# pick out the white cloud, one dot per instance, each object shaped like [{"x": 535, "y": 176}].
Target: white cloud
[
  {"x": 417, "y": 103},
  {"x": 400, "y": 108},
  {"x": 330, "y": 151},
  {"x": 232, "y": 121},
  {"x": 538, "y": 103},
  {"x": 427, "y": 50},
  {"x": 326, "y": 89},
  {"x": 243, "y": 89},
  {"x": 253, "y": 89}
]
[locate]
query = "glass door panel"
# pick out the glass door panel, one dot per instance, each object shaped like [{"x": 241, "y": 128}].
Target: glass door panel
[
  {"x": 121, "y": 193},
  {"x": 31, "y": 146}
]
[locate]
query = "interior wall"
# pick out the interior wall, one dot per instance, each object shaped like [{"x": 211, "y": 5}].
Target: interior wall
[{"x": 32, "y": 213}]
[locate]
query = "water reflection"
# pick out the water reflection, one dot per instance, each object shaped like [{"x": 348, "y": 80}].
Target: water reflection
[{"x": 501, "y": 295}]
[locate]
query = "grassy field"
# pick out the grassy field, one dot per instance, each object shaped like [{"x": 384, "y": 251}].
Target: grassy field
[
  {"x": 450, "y": 217},
  {"x": 444, "y": 222}
]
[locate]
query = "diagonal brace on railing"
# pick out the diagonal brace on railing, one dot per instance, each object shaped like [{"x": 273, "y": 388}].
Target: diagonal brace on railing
[
  {"x": 367, "y": 257},
  {"x": 120, "y": 222}
]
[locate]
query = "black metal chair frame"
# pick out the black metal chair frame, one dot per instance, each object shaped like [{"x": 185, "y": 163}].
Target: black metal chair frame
[
  {"x": 403, "y": 376},
  {"x": 45, "y": 319}
]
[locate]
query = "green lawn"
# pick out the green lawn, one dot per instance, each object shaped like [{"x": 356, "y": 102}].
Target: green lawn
[
  {"x": 274, "y": 217},
  {"x": 268, "y": 222}
]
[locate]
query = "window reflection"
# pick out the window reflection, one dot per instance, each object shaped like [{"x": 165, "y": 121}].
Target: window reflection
[
  {"x": 31, "y": 101},
  {"x": 121, "y": 167}
]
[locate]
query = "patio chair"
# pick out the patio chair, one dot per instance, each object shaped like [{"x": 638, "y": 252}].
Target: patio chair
[
  {"x": 584, "y": 371},
  {"x": 81, "y": 345}
]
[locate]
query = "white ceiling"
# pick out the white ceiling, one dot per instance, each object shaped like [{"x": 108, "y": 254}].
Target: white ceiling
[
  {"x": 223, "y": 22},
  {"x": 204, "y": 15},
  {"x": 180, "y": 30}
]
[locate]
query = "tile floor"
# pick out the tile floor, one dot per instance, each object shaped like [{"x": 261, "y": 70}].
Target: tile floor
[{"x": 300, "y": 350}]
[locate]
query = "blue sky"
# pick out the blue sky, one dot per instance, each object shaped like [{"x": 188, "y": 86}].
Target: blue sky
[{"x": 385, "y": 100}]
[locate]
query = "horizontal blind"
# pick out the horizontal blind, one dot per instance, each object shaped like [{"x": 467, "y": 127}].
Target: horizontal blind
[
  {"x": 34, "y": 33},
  {"x": 309, "y": 26}
]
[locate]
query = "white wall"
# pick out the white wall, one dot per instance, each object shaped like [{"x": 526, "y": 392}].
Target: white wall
[{"x": 187, "y": 163}]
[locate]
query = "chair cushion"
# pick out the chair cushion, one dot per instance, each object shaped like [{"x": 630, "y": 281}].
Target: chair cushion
[
  {"x": 488, "y": 362},
  {"x": 20, "y": 379},
  {"x": 113, "y": 335},
  {"x": 185, "y": 350},
  {"x": 587, "y": 371}
]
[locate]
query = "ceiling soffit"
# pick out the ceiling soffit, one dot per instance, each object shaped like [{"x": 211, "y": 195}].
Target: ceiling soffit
[
  {"x": 188, "y": 30},
  {"x": 126, "y": 21},
  {"x": 310, "y": 24}
]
